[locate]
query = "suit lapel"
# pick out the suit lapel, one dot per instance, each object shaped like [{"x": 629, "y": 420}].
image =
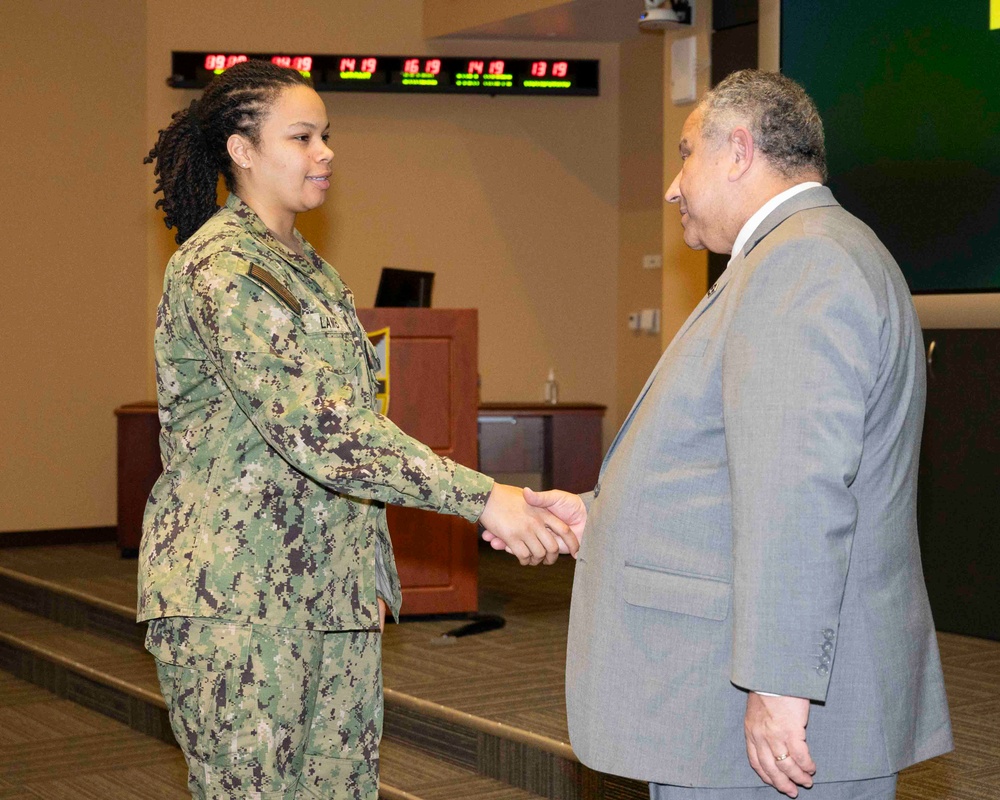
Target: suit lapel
[
  {"x": 816, "y": 197},
  {"x": 713, "y": 293}
]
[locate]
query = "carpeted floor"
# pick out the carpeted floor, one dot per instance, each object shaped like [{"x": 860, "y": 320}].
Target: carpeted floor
[
  {"x": 54, "y": 749},
  {"x": 525, "y": 658}
]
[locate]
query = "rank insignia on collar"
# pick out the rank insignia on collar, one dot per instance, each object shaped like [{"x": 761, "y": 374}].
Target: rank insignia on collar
[{"x": 267, "y": 279}]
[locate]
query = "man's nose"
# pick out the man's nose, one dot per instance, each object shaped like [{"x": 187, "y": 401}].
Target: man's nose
[{"x": 673, "y": 194}]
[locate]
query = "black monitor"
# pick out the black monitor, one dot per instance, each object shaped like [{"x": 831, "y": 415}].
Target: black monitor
[{"x": 404, "y": 288}]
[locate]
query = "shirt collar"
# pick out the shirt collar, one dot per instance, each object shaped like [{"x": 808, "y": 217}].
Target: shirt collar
[{"x": 751, "y": 224}]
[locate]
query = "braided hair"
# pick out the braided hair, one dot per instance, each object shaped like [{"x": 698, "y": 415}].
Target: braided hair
[{"x": 192, "y": 150}]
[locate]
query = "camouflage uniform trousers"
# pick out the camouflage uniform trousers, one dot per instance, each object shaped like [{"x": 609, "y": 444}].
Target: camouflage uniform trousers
[{"x": 265, "y": 713}]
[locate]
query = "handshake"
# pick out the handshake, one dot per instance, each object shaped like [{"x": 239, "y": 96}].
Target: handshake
[{"x": 533, "y": 526}]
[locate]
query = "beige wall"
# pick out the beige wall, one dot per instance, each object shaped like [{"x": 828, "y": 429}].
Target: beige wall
[
  {"x": 641, "y": 210},
  {"x": 536, "y": 211},
  {"x": 685, "y": 271},
  {"x": 513, "y": 202},
  {"x": 72, "y": 325},
  {"x": 444, "y": 17}
]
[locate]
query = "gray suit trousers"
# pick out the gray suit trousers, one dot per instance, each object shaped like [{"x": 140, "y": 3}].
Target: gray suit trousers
[{"x": 871, "y": 789}]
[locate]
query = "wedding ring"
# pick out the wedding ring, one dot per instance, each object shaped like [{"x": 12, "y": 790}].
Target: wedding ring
[{"x": 781, "y": 758}]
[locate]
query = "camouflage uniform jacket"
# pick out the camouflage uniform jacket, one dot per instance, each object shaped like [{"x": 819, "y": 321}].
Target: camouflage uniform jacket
[{"x": 271, "y": 508}]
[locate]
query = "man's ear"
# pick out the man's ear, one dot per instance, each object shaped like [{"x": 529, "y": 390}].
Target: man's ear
[
  {"x": 741, "y": 147},
  {"x": 240, "y": 150}
]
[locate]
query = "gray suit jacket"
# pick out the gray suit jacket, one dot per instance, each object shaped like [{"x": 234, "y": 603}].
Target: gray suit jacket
[{"x": 754, "y": 525}]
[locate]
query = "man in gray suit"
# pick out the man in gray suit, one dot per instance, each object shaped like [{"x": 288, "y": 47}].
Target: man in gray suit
[{"x": 749, "y": 606}]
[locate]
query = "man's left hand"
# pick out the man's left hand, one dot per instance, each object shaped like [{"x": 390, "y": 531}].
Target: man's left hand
[{"x": 775, "y": 728}]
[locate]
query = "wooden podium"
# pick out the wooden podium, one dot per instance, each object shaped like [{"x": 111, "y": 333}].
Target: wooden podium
[{"x": 433, "y": 391}]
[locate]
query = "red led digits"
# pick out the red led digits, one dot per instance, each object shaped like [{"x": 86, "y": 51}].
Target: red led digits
[
  {"x": 539, "y": 68},
  {"x": 369, "y": 64},
  {"x": 476, "y": 67},
  {"x": 299, "y": 63},
  {"x": 411, "y": 66},
  {"x": 560, "y": 69},
  {"x": 496, "y": 67},
  {"x": 218, "y": 62},
  {"x": 433, "y": 66},
  {"x": 348, "y": 64}
]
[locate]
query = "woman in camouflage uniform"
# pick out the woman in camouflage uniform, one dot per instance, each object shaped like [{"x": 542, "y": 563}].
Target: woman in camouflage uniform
[{"x": 266, "y": 566}]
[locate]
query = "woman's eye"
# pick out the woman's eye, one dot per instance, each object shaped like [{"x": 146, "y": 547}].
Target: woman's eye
[{"x": 326, "y": 137}]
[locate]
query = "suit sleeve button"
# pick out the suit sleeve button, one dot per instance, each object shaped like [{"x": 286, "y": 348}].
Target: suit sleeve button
[
  {"x": 823, "y": 669},
  {"x": 828, "y": 633}
]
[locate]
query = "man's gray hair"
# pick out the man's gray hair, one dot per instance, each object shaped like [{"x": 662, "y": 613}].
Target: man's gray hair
[{"x": 780, "y": 116}]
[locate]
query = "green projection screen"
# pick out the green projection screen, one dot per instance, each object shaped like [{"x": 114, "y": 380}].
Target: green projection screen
[{"x": 909, "y": 91}]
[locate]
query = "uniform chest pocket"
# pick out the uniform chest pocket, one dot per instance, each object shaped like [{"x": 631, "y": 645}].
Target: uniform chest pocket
[{"x": 329, "y": 339}]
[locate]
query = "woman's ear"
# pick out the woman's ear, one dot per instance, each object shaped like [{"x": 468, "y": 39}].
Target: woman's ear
[{"x": 239, "y": 151}]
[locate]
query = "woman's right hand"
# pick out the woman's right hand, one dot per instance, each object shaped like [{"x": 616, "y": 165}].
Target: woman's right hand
[{"x": 532, "y": 534}]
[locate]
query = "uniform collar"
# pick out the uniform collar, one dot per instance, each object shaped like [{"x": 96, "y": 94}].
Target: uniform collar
[{"x": 255, "y": 225}]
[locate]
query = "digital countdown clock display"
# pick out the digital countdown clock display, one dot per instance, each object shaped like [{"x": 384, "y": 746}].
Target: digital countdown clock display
[{"x": 407, "y": 74}]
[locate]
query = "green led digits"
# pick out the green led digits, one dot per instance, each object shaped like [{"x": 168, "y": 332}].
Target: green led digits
[{"x": 532, "y": 84}]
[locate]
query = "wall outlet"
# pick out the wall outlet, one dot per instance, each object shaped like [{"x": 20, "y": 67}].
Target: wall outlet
[
  {"x": 649, "y": 320},
  {"x": 652, "y": 261}
]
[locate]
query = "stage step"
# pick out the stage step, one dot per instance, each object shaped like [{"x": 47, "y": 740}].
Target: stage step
[
  {"x": 89, "y": 650},
  {"x": 409, "y": 773}
]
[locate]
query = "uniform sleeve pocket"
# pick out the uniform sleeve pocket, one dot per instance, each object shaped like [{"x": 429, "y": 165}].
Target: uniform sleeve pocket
[{"x": 692, "y": 595}]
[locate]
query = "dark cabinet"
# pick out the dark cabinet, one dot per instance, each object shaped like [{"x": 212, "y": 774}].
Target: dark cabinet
[
  {"x": 958, "y": 501},
  {"x": 540, "y": 445},
  {"x": 138, "y": 468}
]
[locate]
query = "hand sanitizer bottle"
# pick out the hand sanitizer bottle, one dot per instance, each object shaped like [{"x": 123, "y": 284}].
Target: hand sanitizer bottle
[{"x": 551, "y": 388}]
